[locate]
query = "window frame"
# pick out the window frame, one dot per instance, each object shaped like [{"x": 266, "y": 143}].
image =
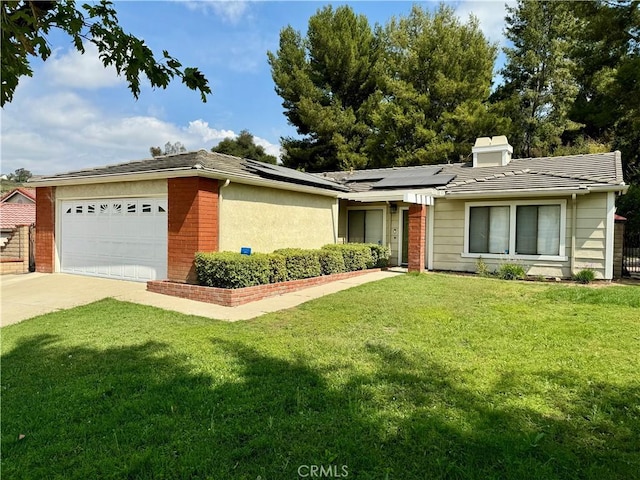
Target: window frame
[
  {"x": 513, "y": 206},
  {"x": 384, "y": 219}
]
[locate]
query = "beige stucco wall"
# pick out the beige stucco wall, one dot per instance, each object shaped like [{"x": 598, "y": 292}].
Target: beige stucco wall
[
  {"x": 266, "y": 219},
  {"x": 115, "y": 189},
  {"x": 448, "y": 241}
]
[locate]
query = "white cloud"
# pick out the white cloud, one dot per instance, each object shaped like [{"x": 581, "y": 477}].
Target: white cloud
[
  {"x": 269, "y": 147},
  {"x": 71, "y": 134},
  {"x": 200, "y": 128},
  {"x": 490, "y": 15},
  {"x": 230, "y": 11},
  {"x": 76, "y": 70}
]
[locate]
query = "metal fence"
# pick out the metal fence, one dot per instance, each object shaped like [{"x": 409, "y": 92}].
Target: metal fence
[
  {"x": 631, "y": 255},
  {"x": 32, "y": 248}
]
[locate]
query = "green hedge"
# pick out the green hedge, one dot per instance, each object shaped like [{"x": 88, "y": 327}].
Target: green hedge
[
  {"x": 356, "y": 256},
  {"x": 277, "y": 268},
  {"x": 301, "y": 263},
  {"x": 234, "y": 270},
  {"x": 331, "y": 261},
  {"x": 231, "y": 270},
  {"x": 380, "y": 255}
]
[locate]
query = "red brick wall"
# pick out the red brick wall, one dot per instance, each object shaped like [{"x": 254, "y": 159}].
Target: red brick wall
[
  {"x": 45, "y": 229},
  {"x": 193, "y": 224},
  {"x": 417, "y": 224}
]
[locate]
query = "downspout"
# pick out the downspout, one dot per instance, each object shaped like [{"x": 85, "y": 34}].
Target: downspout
[
  {"x": 224, "y": 185},
  {"x": 574, "y": 219}
]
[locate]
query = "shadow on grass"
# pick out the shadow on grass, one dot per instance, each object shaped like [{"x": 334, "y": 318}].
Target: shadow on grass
[{"x": 142, "y": 412}]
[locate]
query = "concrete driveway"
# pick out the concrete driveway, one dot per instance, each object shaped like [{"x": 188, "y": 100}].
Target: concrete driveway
[{"x": 28, "y": 295}]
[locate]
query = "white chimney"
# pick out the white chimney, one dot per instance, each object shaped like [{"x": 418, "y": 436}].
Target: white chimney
[{"x": 491, "y": 152}]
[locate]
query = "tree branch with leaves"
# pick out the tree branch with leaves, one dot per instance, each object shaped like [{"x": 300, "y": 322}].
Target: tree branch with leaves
[{"x": 25, "y": 26}]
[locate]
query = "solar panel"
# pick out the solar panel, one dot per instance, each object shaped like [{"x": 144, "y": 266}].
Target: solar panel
[
  {"x": 383, "y": 173},
  {"x": 414, "y": 181},
  {"x": 288, "y": 174}
]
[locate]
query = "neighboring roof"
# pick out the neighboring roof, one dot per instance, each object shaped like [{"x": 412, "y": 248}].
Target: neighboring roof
[
  {"x": 14, "y": 214},
  {"x": 29, "y": 193},
  {"x": 216, "y": 164},
  {"x": 545, "y": 173}
]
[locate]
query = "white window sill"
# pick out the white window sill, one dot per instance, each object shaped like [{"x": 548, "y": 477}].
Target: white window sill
[{"x": 506, "y": 256}]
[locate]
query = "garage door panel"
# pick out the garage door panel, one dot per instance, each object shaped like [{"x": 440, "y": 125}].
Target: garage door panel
[{"x": 117, "y": 238}]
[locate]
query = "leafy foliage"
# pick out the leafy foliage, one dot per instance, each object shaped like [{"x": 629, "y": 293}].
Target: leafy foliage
[
  {"x": 301, "y": 263},
  {"x": 244, "y": 146},
  {"x": 510, "y": 271},
  {"x": 25, "y": 26},
  {"x": 169, "y": 149},
  {"x": 231, "y": 270},
  {"x": 20, "y": 175},
  {"x": 327, "y": 81},
  {"x": 356, "y": 256},
  {"x": 331, "y": 261},
  {"x": 586, "y": 275}
]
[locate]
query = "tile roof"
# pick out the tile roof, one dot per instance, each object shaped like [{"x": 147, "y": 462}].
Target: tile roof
[
  {"x": 14, "y": 214},
  {"x": 571, "y": 171},
  {"x": 216, "y": 163},
  {"x": 30, "y": 193}
]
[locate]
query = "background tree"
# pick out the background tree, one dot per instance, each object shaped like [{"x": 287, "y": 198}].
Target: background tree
[
  {"x": 434, "y": 86},
  {"x": 169, "y": 149},
  {"x": 327, "y": 81},
  {"x": 607, "y": 54},
  {"x": 25, "y": 25},
  {"x": 539, "y": 84},
  {"x": 20, "y": 175},
  {"x": 155, "y": 151},
  {"x": 243, "y": 146}
]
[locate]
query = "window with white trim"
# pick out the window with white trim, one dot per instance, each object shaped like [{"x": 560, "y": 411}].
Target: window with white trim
[{"x": 533, "y": 229}]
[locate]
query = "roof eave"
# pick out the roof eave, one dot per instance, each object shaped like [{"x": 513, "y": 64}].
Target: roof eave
[
  {"x": 181, "y": 172},
  {"x": 530, "y": 192},
  {"x": 388, "y": 195}
]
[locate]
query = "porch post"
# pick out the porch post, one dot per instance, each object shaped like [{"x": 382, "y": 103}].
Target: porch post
[{"x": 417, "y": 226}]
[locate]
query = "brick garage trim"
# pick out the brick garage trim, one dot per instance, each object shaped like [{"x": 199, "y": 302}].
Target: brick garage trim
[
  {"x": 45, "y": 229},
  {"x": 240, "y": 296},
  {"x": 192, "y": 224}
]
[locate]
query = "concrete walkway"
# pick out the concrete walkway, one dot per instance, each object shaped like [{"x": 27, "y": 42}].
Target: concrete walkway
[{"x": 28, "y": 295}]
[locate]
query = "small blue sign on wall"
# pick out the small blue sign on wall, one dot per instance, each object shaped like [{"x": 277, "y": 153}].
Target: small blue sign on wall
[{"x": 245, "y": 250}]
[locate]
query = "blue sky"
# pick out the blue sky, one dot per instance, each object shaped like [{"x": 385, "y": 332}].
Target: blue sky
[{"x": 73, "y": 113}]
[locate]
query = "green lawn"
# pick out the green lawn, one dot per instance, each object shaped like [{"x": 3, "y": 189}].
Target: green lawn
[{"x": 414, "y": 377}]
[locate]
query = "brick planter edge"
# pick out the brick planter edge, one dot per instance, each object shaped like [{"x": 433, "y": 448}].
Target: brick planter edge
[{"x": 239, "y": 296}]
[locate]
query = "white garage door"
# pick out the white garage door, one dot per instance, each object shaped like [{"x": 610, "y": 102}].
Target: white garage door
[{"x": 123, "y": 238}]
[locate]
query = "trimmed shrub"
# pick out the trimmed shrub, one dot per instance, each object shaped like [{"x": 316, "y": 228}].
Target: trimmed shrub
[
  {"x": 586, "y": 275},
  {"x": 511, "y": 271},
  {"x": 301, "y": 263},
  {"x": 231, "y": 269},
  {"x": 277, "y": 268},
  {"x": 331, "y": 261},
  {"x": 380, "y": 255},
  {"x": 356, "y": 256}
]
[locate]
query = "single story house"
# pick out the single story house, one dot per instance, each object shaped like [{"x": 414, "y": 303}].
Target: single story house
[{"x": 144, "y": 220}]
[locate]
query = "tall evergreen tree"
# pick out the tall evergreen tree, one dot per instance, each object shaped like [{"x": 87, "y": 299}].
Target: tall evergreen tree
[
  {"x": 540, "y": 86},
  {"x": 608, "y": 58},
  {"x": 326, "y": 81},
  {"x": 435, "y": 84}
]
